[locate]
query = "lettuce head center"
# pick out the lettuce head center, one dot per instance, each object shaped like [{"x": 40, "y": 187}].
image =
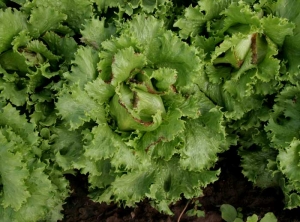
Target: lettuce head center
[{"x": 136, "y": 109}]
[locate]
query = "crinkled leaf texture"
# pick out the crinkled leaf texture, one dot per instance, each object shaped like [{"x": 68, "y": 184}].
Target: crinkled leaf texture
[
  {"x": 284, "y": 124},
  {"x": 148, "y": 131},
  {"x": 289, "y": 159},
  {"x": 31, "y": 190}
]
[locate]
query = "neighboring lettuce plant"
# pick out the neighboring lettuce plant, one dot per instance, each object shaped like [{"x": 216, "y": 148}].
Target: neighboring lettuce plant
[
  {"x": 31, "y": 189},
  {"x": 252, "y": 72},
  {"x": 36, "y": 47},
  {"x": 147, "y": 129}
]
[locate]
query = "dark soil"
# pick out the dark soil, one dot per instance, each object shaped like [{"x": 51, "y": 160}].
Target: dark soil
[{"x": 231, "y": 188}]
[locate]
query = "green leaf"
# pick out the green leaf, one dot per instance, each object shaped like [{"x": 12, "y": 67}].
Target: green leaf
[
  {"x": 165, "y": 78},
  {"x": 100, "y": 90},
  {"x": 238, "y": 14},
  {"x": 76, "y": 107},
  {"x": 105, "y": 143},
  {"x": 170, "y": 52},
  {"x": 38, "y": 47},
  {"x": 255, "y": 166},
  {"x": 75, "y": 10},
  {"x": 9, "y": 116},
  {"x": 13, "y": 171},
  {"x": 289, "y": 161},
  {"x": 253, "y": 218},
  {"x": 196, "y": 18},
  {"x": 228, "y": 212},
  {"x": 170, "y": 128},
  {"x": 289, "y": 9},
  {"x": 12, "y": 22},
  {"x": 44, "y": 192},
  {"x": 11, "y": 92},
  {"x": 124, "y": 62},
  {"x": 65, "y": 47},
  {"x": 84, "y": 67},
  {"x": 67, "y": 146},
  {"x": 284, "y": 124},
  {"x": 192, "y": 23},
  {"x": 95, "y": 32},
  {"x": 145, "y": 29},
  {"x": 204, "y": 139},
  {"x": 269, "y": 217},
  {"x": 277, "y": 29},
  {"x": 137, "y": 185},
  {"x": 44, "y": 19},
  {"x": 13, "y": 61}
]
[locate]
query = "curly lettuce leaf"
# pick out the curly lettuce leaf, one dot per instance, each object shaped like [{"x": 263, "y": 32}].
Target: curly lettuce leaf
[
  {"x": 289, "y": 165},
  {"x": 12, "y": 22},
  {"x": 289, "y": 9},
  {"x": 258, "y": 166},
  {"x": 203, "y": 140},
  {"x": 76, "y": 11},
  {"x": 12, "y": 170},
  {"x": 283, "y": 125},
  {"x": 84, "y": 67},
  {"x": 44, "y": 19},
  {"x": 196, "y": 18},
  {"x": 95, "y": 32}
]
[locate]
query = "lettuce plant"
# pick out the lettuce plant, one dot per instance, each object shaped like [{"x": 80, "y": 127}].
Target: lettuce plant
[
  {"x": 147, "y": 129},
  {"x": 251, "y": 71},
  {"x": 36, "y": 47}
]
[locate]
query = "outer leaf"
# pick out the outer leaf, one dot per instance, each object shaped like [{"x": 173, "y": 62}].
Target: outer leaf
[
  {"x": 104, "y": 144},
  {"x": 289, "y": 161},
  {"x": 289, "y": 9},
  {"x": 13, "y": 171},
  {"x": 76, "y": 107},
  {"x": 240, "y": 14},
  {"x": 12, "y": 22},
  {"x": 11, "y": 60},
  {"x": 68, "y": 147},
  {"x": 75, "y": 10},
  {"x": 9, "y": 116},
  {"x": 146, "y": 29},
  {"x": 84, "y": 67},
  {"x": 204, "y": 138},
  {"x": 277, "y": 29},
  {"x": 284, "y": 123},
  {"x": 171, "y": 127},
  {"x": 195, "y": 18},
  {"x": 39, "y": 48},
  {"x": 95, "y": 32},
  {"x": 44, "y": 192},
  {"x": 64, "y": 46},
  {"x": 256, "y": 167},
  {"x": 11, "y": 92},
  {"x": 44, "y": 19},
  {"x": 100, "y": 90},
  {"x": 192, "y": 23},
  {"x": 137, "y": 185}
]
